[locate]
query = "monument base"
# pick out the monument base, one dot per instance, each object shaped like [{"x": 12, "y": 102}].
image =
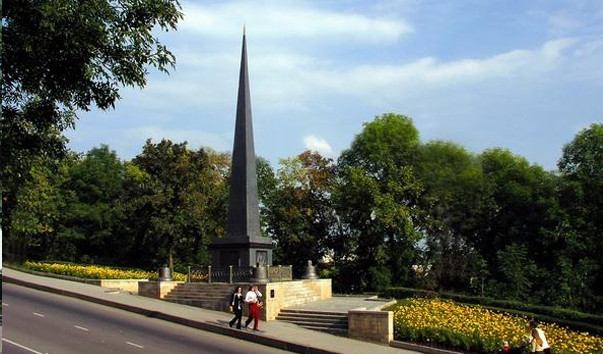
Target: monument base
[{"x": 232, "y": 254}]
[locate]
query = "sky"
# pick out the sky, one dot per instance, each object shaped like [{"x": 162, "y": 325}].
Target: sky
[{"x": 524, "y": 75}]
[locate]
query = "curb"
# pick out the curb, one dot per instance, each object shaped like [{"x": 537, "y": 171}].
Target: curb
[{"x": 206, "y": 326}]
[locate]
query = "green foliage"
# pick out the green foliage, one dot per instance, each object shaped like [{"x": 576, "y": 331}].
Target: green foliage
[
  {"x": 104, "y": 44},
  {"x": 389, "y": 138},
  {"x": 392, "y": 211},
  {"x": 88, "y": 221},
  {"x": 37, "y": 213},
  {"x": 59, "y": 56},
  {"x": 581, "y": 199},
  {"x": 519, "y": 209},
  {"x": 32, "y": 146},
  {"x": 298, "y": 209},
  {"x": 375, "y": 197},
  {"x": 179, "y": 197},
  {"x": 517, "y": 271},
  {"x": 452, "y": 202}
]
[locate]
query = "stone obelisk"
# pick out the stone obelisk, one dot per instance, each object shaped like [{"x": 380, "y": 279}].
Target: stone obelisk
[{"x": 243, "y": 244}]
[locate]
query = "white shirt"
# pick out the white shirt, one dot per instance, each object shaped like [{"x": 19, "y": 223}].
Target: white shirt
[
  {"x": 252, "y": 296},
  {"x": 545, "y": 344}
]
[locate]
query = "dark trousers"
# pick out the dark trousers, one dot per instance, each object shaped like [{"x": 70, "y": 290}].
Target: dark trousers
[
  {"x": 238, "y": 316},
  {"x": 254, "y": 314}
]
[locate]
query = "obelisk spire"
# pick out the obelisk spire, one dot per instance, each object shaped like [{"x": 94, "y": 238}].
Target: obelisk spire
[
  {"x": 243, "y": 215},
  {"x": 243, "y": 244}
]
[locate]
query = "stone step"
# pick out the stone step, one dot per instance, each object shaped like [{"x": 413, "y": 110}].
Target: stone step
[
  {"x": 319, "y": 325},
  {"x": 200, "y": 285},
  {"x": 313, "y": 312},
  {"x": 200, "y": 298},
  {"x": 336, "y": 331},
  {"x": 180, "y": 291},
  {"x": 208, "y": 293},
  {"x": 206, "y": 286},
  {"x": 192, "y": 289},
  {"x": 309, "y": 314},
  {"x": 215, "y": 296},
  {"x": 331, "y": 320},
  {"x": 324, "y": 321}
]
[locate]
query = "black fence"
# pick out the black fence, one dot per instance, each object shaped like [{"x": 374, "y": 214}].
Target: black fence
[{"x": 237, "y": 274}]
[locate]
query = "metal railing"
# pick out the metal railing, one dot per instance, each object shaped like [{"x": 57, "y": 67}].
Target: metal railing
[{"x": 236, "y": 274}]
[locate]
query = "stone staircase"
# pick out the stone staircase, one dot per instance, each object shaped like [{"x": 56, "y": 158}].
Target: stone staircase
[
  {"x": 330, "y": 322},
  {"x": 208, "y": 296}
]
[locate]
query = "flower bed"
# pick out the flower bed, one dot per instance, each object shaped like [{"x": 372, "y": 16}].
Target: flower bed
[
  {"x": 95, "y": 271},
  {"x": 474, "y": 328}
]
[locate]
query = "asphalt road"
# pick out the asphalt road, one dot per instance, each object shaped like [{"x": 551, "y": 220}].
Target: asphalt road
[{"x": 39, "y": 322}]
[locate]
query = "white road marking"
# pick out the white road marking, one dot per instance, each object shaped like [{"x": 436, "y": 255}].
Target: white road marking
[
  {"x": 4, "y": 304},
  {"x": 38, "y": 314},
  {"x": 20, "y": 346},
  {"x": 135, "y": 345},
  {"x": 82, "y": 328}
]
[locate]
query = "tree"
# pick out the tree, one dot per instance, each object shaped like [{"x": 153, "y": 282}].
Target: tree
[
  {"x": 104, "y": 44},
  {"x": 267, "y": 182},
  {"x": 451, "y": 203},
  {"x": 37, "y": 215},
  {"x": 518, "y": 271},
  {"x": 178, "y": 198},
  {"x": 520, "y": 210},
  {"x": 31, "y": 143},
  {"x": 388, "y": 139},
  {"x": 88, "y": 221},
  {"x": 581, "y": 198},
  {"x": 375, "y": 199},
  {"x": 299, "y": 211},
  {"x": 59, "y": 56}
]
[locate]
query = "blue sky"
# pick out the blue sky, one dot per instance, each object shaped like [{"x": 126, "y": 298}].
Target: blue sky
[{"x": 525, "y": 75}]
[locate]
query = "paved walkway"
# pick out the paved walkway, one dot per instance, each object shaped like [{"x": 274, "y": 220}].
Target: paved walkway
[{"x": 276, "y": 334}]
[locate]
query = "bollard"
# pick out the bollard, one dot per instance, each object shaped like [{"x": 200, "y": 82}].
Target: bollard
[
  {"x": 259, "y": 274},
  {"x": 310, "y": 272},
  {"x": 165, "y": 274}
]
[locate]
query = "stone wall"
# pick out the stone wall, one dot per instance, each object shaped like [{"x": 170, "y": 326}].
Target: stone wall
[
  {"x": 279, "y": 295},
  {"x": 371, "y": 326},
  {"x": 321, "y": 286},
  {"x": 156, "y": 289},
  {"x": 129, "y": 285}
]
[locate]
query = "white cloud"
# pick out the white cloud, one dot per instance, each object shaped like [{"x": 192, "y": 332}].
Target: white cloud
[
  {"x": 563, "y": 22},
  {"x": 289, "y": 20},
  {"x": 286, "y": 82},
  {"x": 194, "y": 138},
  {"x": 430, "y": 71},
  {"x": 315, "y": 143},
  {"x": 129, "y": 142}
]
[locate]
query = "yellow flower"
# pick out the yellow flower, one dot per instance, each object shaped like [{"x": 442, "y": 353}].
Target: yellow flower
[{"x": 480, "y": 329}]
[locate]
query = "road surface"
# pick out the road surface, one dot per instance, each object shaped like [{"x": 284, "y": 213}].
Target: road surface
[{"x": 40, "y": 322}]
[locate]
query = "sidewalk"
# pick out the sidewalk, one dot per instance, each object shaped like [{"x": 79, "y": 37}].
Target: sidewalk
[{"x": 275, "y": 334}]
